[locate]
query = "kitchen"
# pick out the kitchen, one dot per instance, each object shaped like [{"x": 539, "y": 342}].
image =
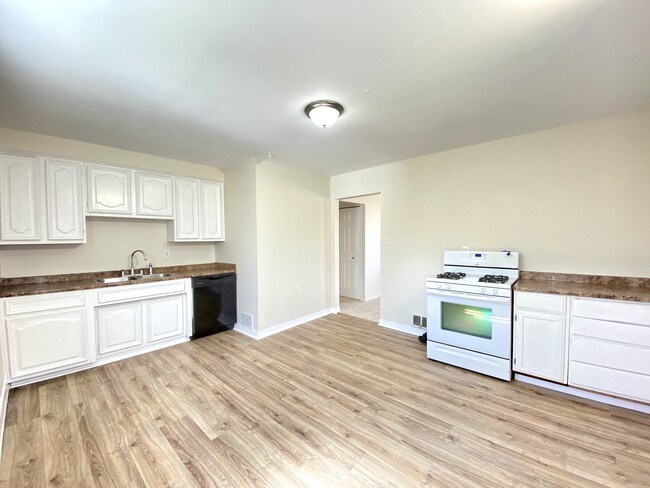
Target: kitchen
[{"x": 570, "y": 197}]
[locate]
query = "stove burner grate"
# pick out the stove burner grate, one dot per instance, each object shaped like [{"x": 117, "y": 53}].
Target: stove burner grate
[
  {"x": 493, "y": 279},
  {"x": 447, "y": 275}
]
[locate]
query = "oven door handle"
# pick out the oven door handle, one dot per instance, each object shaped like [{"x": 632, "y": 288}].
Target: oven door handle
[{"x": 460, "y": 294}]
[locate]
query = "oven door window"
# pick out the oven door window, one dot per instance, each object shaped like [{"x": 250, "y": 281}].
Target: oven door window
[{"x": 467, "y": 319}]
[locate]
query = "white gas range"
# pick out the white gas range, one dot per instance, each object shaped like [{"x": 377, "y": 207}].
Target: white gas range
[{"x": 469, "y": 312}]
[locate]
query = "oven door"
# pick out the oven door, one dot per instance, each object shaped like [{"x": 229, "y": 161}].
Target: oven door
[{"x": 475, "y": 322}]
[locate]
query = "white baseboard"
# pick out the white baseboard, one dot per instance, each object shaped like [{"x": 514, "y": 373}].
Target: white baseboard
[
  {"x": 371, "y": 298},
  {"x": 4, "y": 396},
  {"x": 261, "y": 334},
  {"x": 409, "y": 329},
  {"x": 617, "y": 402},
  {"x": 242, "y": 329}
]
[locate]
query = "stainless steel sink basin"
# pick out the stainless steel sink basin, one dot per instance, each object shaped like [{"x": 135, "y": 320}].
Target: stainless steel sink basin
[
  {"x": 136, "y": 277},
  {"x": 155, "y": 276}
]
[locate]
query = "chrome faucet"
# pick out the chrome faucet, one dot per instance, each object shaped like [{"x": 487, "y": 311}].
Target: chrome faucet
[{"x": 133, "y": 256}]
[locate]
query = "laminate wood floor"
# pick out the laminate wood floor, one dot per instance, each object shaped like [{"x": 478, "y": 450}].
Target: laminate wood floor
[{"x": 335, "y": 402}]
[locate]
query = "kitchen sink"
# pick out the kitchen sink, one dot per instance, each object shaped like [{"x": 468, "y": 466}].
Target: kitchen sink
[
  {"x": 155, "y": 276},
  {"x": 136, "y": 277}
]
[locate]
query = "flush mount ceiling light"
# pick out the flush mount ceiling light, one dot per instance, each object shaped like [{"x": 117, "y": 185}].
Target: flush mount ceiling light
[{"x": 323, "y": 113}]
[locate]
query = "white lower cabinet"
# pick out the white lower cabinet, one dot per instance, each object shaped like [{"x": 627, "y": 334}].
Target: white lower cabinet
[
  {"x": 540, "y": 336},
  {"x": 610, "y": 347},
  {"x": 599, "y": 345},
  {"x": 146, "y": 315},
  {"x": 53, "y": 334},
  {"x": 119, "y": 328},
  {"x": 42, "y": 343},
  {"x": 165, "y": 318}
]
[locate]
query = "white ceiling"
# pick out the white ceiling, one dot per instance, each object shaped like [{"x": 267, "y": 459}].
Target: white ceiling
[{"x": 224, "y": 81}]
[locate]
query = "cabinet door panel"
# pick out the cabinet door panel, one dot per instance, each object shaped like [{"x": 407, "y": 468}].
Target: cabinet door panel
[
  {"x": 119, "y": 327},
  {"x": 64, "y": 200},
  {"x": 540, "y": 345},
  {"x": 154, "y": 195},
  {"x": 186, "y": 216},
  {"x": 109, "y": 190},
  {"x": 165, "y": 317},
  {"x": 39, "y": 344},
  {"x": 19, "y": 199},
  {"x": 211, "y": 210}
]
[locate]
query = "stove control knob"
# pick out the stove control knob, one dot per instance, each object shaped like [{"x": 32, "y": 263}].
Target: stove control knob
[
  {"x": 483, "y": 290},
  {"x": 495, "y": 292},
  {"x": 438, "y": 285},
  {"x": 448, "y": 287}
]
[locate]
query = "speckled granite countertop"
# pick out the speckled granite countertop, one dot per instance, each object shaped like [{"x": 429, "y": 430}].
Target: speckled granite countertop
[
  {"x": 35, "y": 285},
  {"x": 591, "y": 286}
]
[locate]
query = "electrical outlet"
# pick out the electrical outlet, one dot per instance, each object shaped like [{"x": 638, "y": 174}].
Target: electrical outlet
[
  {"x": 416, "y": 320},
  {"x": 166, "y": 254},
  {"x": 424, "y": 322}
]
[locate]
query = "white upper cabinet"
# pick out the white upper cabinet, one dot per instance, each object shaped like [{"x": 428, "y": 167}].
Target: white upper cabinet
[
  {"x": 211, "y": 210},
  {"x": 154, "y": 195},
  {"x": 64, "y": 192},
  {"x": 186, "y": 222},
  {"x": 20, "y": 199},
  {"x": 123, "y": 192},
  {"x": 45, "y": 200},
  {"x": 109, "y": 190},
  {"x": 41, "y": 201},
  {"x": 198, "y": 211}
]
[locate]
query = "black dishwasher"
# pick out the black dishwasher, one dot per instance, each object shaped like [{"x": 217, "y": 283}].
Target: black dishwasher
[{"x": 215, "y": 304}]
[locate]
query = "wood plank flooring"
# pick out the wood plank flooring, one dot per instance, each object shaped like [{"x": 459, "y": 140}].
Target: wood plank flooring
[{"x": 335, "y": 402}]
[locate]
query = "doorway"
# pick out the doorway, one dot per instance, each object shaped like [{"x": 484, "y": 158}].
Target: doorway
[{"x": 359, "y": 256}]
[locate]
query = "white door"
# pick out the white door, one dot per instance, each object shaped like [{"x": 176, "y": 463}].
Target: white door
[
  {"x": 153, "y": 195},
  {"x": 211, "y": 210},
  {"x": 48, "y": 342},
  {"x": 19, "y": 199},
  {"x": 186, "y": 217},
  {"x": 119, "y": 327},
  {"x": 540, "y": 345},
  {"x": 65, "y": 218},
  {"x": 165, "y": 318},
  {"x": 350, "y": 252},
  {"x": 109, "y": 190}
]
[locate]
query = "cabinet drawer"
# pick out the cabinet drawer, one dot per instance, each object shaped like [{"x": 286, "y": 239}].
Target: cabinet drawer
[
  {"x": 611, "y": 355},
  {"x": 40, "y": 303},
  {"x": 145, "y": 290},
  {"x": 540, "y": 301},
  {"x": 629, "y": 312},
  {"x": 635, "y": 335},
  {"x": 614, "y": 382}
]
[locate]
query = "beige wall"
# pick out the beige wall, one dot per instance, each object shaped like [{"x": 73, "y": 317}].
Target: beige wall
[
  {"x": 109, "y": 241},
  {"x": 56, "y": 146},
  {"x": 293, "y": 243},
  {"x": 573, "y": 199},
  {"x": 240, "y": 246}
]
